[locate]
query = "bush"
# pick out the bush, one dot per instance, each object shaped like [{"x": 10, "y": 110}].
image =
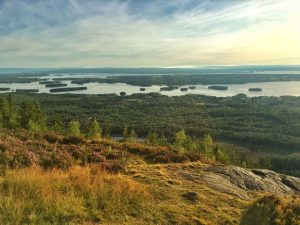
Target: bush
[
  {"x": 73, "y": 140},
  {"x": 52, "y": 137},
  {"x": 273, "y": 210}
]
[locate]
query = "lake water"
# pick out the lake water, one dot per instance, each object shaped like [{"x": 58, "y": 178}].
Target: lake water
[{"x": 268, "y": 88}]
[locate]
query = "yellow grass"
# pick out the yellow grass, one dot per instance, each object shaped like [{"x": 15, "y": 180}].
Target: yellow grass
[{"x": 79, "y": 195}]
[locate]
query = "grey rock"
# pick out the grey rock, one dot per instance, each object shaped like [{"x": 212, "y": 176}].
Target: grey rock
[{"x": 238, "y": 181}]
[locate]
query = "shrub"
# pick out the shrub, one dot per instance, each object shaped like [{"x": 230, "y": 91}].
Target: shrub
[
  {"x": 73, "y": 140},
  {"x": 96, "y": 157},
  {"x": 57, "y": 159},
  {"x": 273, "y": 210},
  {"x": 52, "y": 137}
]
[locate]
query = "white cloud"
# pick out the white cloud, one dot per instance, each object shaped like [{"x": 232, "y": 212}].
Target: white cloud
[{"x": 109, "y": 34}]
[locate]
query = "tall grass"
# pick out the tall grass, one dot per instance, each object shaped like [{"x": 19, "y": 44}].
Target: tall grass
[{"x": 76, "y": 196}]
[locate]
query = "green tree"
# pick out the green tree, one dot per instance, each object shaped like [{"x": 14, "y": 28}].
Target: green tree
[
  {"x": 180, "y": 141},
  {"x": 153, "y": 138},
  {"x": 208, "y": 146},
  {"x": 58, "y": 125},
  {"x": 10, "y": 115},
  {"x": 190, "y": 144},
  {"x": 33, "y": 126},
  {"x": 163, "y": 141},
  {"x": 180, "y": 138},
  {"x": 95, "y": 131},
  {"x": 74, "y": 128},
  {"x": 32, "y": 113},
  {"x": 221, "y": 155}
]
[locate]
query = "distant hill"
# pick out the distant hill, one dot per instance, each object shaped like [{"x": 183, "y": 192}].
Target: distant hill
[{"x": 163, "y": 70}]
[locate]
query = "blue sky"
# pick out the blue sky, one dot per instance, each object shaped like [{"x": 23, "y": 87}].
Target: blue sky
[{"x": 95, "y": 33}]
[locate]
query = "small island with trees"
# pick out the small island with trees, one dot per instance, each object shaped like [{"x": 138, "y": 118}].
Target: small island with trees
[
  {"x": 53, "y": 85},
  {"x": 169, "y": 88},
  {"x": 218, "y": 87},
  {"x": 255, "y": 89},
  {"x": 68, "y": 89}
]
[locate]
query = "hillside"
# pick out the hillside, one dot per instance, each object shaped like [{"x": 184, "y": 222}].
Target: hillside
[{"x": 52, "y": 179}]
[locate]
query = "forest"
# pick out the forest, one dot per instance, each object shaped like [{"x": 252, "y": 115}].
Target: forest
[{"x": 254, "y": 132}]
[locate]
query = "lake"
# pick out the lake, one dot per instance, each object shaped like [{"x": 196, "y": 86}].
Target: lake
[{"x": 268, "y": 88}]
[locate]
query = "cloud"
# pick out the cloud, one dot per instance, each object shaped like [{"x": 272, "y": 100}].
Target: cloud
[{"x": 147, "y": 33}]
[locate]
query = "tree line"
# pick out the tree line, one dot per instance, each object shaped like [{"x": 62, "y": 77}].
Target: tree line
[{"x": 30, "y": 116}]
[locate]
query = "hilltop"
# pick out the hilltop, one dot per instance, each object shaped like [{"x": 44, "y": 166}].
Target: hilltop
[{"x": 58, "y": 179}]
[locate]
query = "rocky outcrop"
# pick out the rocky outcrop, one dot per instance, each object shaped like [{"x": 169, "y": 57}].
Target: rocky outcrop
[{"x": 239, "y": 181}]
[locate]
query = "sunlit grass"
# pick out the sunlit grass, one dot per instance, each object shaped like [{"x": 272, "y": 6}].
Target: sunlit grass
[{"x": 76, "y": 196}]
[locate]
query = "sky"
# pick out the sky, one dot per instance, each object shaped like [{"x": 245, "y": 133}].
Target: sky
[{"x": 139, "y": 33}]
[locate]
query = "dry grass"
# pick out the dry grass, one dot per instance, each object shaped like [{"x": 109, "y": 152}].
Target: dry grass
[
  {"x": 146, "y": 193},
  {"x": 79, "y": 195},
  {"x": 167, "y": 183}
]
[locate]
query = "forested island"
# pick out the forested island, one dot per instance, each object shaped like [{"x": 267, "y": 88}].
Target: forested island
[
  {"x": 218, "y": 87},
  {"x": 255, "y": 89},
  {"x": 68, "y": 89}
]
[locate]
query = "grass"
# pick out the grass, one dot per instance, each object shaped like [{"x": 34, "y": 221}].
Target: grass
[
  {"x": 167, "y": 184},
  {"x": 77, "y": 196},
  {"x": 146, "y": 194},
  {"x": 61, "y": 181}
]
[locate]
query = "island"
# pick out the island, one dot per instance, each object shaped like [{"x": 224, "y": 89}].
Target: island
[
  {"x": 184, "y": 89},
  {"x": 122, "y": 93},
  {"x": 55, "y": 85},
  {"x": 192, "y": 87},
  {"x": 142, "y": 89},
  {"x": 68, "y": 89},
  {"x": 4, "y": 89},
  {"x": 27, "y": 90},
  {"x": 217, "y": 87},
  {"x": 49, "y": 82},
  {"x": 255, "y": 89},
  {"x": 169, "y": 88}
]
